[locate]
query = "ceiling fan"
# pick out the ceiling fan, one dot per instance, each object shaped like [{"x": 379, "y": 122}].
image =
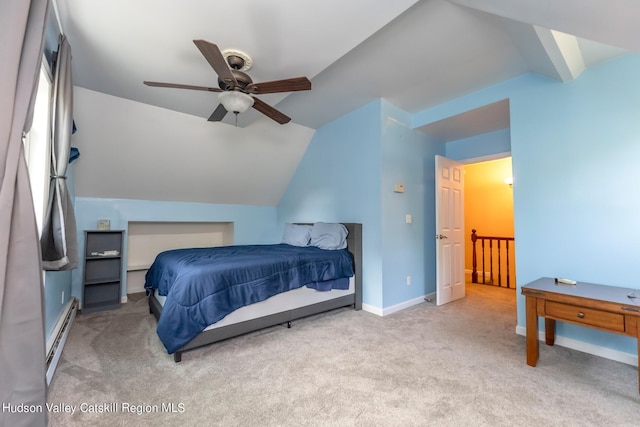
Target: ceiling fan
[{"x": 236, "y": 89}]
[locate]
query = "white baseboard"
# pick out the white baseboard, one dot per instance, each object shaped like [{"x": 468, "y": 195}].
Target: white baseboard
[
  {"x": 596, "y": 350},
  {"x": 124, "y": 299},
  {"x": 398, "y": 307},
  {"x": 371, "y": 309}
]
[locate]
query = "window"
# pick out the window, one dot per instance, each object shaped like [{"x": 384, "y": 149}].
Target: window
[{"x": 37, "y": 145}]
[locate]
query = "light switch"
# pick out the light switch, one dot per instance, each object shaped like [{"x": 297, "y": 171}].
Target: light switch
[{"x": 408, "y": 218}]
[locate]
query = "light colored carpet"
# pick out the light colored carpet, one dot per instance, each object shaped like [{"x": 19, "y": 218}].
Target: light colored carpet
[{"x": 456, "y": 365}]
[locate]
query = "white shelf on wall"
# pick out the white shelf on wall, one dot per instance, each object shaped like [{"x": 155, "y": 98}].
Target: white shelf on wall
[
  {"x": 146, "y": 239},
  {"x": 138, "y": 267}
]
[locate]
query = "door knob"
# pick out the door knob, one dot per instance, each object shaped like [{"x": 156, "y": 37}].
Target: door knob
[{"x": 441, "y": 236}]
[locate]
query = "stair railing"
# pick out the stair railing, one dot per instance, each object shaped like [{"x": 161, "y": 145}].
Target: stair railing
[{"x": 498, "y": 241}]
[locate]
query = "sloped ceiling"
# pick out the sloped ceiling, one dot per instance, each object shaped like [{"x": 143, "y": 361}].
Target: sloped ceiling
[
  {"x": 416, "y": 54},
  {"x": 138, "y": 151}
]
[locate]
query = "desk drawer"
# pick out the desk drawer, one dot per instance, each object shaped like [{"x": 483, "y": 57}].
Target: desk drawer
[{"x": 586, "y": 316}]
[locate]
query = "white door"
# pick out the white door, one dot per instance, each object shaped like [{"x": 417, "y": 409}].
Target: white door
[{"x": 449, "y": 230}]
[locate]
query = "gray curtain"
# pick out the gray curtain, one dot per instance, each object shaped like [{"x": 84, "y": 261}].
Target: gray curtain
[
  {"x": 22, "y": 343},
  {"x": 59, "y": 238}
]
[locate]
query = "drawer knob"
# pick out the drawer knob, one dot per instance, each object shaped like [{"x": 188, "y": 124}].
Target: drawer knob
[{"x": 581, "y": 315}]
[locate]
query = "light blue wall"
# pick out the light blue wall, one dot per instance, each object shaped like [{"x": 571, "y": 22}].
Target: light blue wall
[
  {"x": 252, "y": 224},
  {"x": 347, "y": 175},
  {"x": 480, "y": 146},
  {"x": 338, "y": 180},
  {"x": 574, "y": 149},
  {"x": 407, "y": 249},
  {"x": 57, "y": 293}
]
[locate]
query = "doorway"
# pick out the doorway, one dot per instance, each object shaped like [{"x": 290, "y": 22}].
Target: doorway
[{"x": 488, "y": 209}]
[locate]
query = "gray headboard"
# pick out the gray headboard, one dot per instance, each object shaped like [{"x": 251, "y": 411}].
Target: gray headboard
[{"x": 354, "y": 245}]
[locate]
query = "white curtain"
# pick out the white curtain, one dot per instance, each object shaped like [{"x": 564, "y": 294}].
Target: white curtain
[
  {"x": 59, "y": 239},
  {"x": 22, "y": 343}
]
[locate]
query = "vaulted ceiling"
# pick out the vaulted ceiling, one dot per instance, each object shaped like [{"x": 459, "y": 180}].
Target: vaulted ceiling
[{"x": 416, "y": 54}]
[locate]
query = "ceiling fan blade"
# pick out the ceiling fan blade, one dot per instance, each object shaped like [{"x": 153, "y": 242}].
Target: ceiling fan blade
[
  {"x": 286, "y": 85},
  {"x": 181, "y": 86},
  {"x": 270, "y": 112},
  {"x": 218, "y": 114},
  {"x": 217, "y": 61}
]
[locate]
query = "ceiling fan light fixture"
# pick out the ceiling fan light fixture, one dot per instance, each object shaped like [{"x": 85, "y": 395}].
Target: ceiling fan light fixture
[
  {"x": 234, "y": 101},
  {"x": 236, "y": 88}
]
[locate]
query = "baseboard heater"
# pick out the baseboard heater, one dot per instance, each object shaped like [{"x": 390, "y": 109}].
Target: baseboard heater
[{"x": 56, "y": 341}]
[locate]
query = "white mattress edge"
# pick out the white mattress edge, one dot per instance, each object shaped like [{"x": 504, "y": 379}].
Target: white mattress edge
[{"x": 295, "y": 298}]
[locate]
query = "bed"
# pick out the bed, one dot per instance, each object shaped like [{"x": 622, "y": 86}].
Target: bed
[{"x": 197, "y": 319}]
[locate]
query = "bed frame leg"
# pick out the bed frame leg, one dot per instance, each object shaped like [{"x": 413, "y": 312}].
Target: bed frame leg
[
  {"x": 289, "y": 325},
  {"x": 177, "y": 356}
]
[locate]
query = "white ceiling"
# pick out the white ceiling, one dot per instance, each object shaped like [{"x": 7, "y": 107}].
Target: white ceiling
[{"x": 415, "y": 54}]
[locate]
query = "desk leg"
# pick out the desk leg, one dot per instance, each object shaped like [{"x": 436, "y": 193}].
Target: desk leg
[
  {"x": 533, "y": 351},
  {"x": 549, "y": 331},
  {"x": 638, "y": 339}
]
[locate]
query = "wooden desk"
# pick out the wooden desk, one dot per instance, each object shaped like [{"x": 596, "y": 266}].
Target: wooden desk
[{"x": 607, "y": 308}]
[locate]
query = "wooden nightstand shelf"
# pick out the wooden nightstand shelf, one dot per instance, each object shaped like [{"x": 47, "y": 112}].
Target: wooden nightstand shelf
[
  {"x": 607, "y": 308},
  {"x": 102, "y": 270}
]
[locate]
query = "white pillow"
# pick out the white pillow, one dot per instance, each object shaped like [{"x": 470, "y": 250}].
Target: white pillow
[
  {"x": 329, "y": 236},
  {"x": 296, "y": 234}
]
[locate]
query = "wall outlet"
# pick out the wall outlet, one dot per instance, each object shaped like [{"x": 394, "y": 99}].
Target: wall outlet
[{"x": 408, "y": 280}]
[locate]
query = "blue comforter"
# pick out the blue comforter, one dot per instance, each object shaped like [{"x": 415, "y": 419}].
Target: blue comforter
[{"x": 203, "y": 285}]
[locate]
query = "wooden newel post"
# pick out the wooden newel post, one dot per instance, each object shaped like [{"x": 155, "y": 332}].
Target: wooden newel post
[{"x": 474, "y": 272}]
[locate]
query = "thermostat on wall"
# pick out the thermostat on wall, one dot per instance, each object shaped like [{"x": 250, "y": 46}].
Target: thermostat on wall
[{"x": 398, "y": 188}]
